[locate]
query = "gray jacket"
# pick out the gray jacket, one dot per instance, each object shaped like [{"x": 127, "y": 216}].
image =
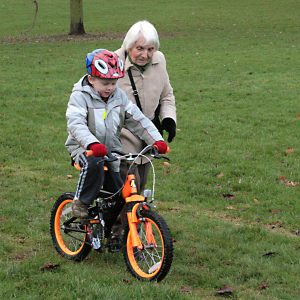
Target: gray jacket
[{"x": 91, "y": 120}]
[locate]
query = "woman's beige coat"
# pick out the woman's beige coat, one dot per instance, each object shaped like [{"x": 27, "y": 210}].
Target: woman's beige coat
[{"x": 154, "y": 88}]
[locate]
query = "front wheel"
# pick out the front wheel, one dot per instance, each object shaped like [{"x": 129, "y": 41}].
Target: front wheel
[
  {"x": 69, "y": 236},
  {"x": 154, "y": 261}
]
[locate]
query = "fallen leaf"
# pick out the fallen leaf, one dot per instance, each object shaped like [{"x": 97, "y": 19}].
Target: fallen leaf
[
  {"x": 49, "y": 267},
  {"x": 231, "y": 207},
  {"x": 274, "y": 211},
  {"x": 271, "y": 253},
  {"x": 255, "y": 200},
  {"x": 20, "y": 240},
  {"x": 127, "y": 281},
  {"x": 225, "y": 291},
  {"x": 220, "y": 175},
  {"x": 229, "y": 196},
  {"x": 289, "y": 150},
  {"x": 263, "y": 286},
  {"x": 174, "y": 209},
  {"x": 291, "y": 183},
  {"x": 186, "y": 289},
  {"x": 276, "y": 225},
  {"x": 282, "y": 179}
]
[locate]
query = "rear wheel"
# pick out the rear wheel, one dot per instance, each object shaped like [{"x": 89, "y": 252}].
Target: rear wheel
[
  {"x": 153, "y": 262},
  {"x": 69, "y": 236}
]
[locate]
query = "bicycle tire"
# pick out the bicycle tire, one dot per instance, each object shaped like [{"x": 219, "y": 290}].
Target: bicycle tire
[
  {"x": 150, "y": 264},
  {"x": 69, "y": 244}
]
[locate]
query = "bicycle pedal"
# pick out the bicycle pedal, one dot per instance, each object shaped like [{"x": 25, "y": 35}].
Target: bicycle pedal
[
  {"x": 89, "y": 221},
  {"x": 115, "y": 245}
]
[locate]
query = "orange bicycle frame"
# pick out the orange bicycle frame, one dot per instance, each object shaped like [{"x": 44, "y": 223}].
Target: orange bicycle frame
[{"x": 130, "y": 195}]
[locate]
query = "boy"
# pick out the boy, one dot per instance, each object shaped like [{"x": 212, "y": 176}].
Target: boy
[{"x": 96, "y": 113}]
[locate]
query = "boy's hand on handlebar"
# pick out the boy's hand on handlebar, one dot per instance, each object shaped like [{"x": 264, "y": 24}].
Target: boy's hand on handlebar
[
  {"x": 99, "y": 150},
  {"x": 161, "y": 147}
]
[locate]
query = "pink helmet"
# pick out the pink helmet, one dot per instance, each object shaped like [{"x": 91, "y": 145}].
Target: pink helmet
[{"x": 104, "y": 64}]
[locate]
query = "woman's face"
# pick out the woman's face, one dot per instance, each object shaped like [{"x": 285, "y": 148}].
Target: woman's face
[{"x": 141, "y": 53}]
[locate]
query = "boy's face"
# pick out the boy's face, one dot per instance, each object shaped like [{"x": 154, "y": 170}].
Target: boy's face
[{"x": 105, "y": 87}]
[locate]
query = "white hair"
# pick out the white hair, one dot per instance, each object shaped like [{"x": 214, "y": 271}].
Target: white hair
[{"x": 141, "y": 29}]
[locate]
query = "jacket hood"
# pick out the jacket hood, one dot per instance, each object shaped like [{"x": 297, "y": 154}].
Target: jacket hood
[{"x": 83, "y": 86}]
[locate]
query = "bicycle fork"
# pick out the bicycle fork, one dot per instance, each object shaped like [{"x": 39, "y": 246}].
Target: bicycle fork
[{"x": 134, "y": 201}]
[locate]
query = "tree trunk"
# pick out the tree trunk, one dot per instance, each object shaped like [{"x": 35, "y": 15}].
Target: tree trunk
[{"x": 76, "y": 17}]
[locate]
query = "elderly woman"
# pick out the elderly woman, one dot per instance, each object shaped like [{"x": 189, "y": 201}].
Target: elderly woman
[{"x": 147, "y": 84}]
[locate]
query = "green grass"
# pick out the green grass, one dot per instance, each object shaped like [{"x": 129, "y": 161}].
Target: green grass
[{"x": 234, "y": 68}]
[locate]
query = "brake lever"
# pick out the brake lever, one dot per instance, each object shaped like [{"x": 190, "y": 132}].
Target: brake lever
[
  {"x": 165, "y": 157},
  {"x": 110, "y": 157},
  {"x": 156, "y": 154}
]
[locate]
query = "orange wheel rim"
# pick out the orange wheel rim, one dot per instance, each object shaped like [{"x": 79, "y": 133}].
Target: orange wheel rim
[
  {"x": 131, "y": 254},
  {"x": 58, "y": 232}
]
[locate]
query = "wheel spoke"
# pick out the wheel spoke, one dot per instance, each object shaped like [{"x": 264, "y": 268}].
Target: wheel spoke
[
  {"x": 69, "y": 236},
  {"x": 149, "y": 258}
]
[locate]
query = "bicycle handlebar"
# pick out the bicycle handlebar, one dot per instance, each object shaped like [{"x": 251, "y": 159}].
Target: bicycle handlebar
[{"x": 110, "y": 157}]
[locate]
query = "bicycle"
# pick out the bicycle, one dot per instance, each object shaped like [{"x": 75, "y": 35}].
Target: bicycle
[{"x": 147, "y": 243}]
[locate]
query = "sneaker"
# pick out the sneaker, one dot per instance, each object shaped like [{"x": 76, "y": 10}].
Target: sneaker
[
  {"x": 116, "y": 237},
  {"x": 79, "y": 209},
  {"x": 115, "y": 244}
]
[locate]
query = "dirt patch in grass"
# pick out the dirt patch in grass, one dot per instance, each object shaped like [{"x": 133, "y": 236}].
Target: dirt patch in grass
[
  {"x": 60, "y": 38},
  {"x": 102, "y": 36},
  {"x": 273, "y": 227}
]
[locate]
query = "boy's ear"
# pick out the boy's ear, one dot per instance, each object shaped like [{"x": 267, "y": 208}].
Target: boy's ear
[{"x": 90, "y": 79}]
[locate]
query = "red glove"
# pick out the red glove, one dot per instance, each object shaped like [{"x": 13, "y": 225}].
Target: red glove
[
  {"x": 161, "y": 147},
  {"x": 98, "y": 149}
]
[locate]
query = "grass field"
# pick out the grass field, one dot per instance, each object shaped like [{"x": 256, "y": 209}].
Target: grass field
[{"x": 231, "y": 196}]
